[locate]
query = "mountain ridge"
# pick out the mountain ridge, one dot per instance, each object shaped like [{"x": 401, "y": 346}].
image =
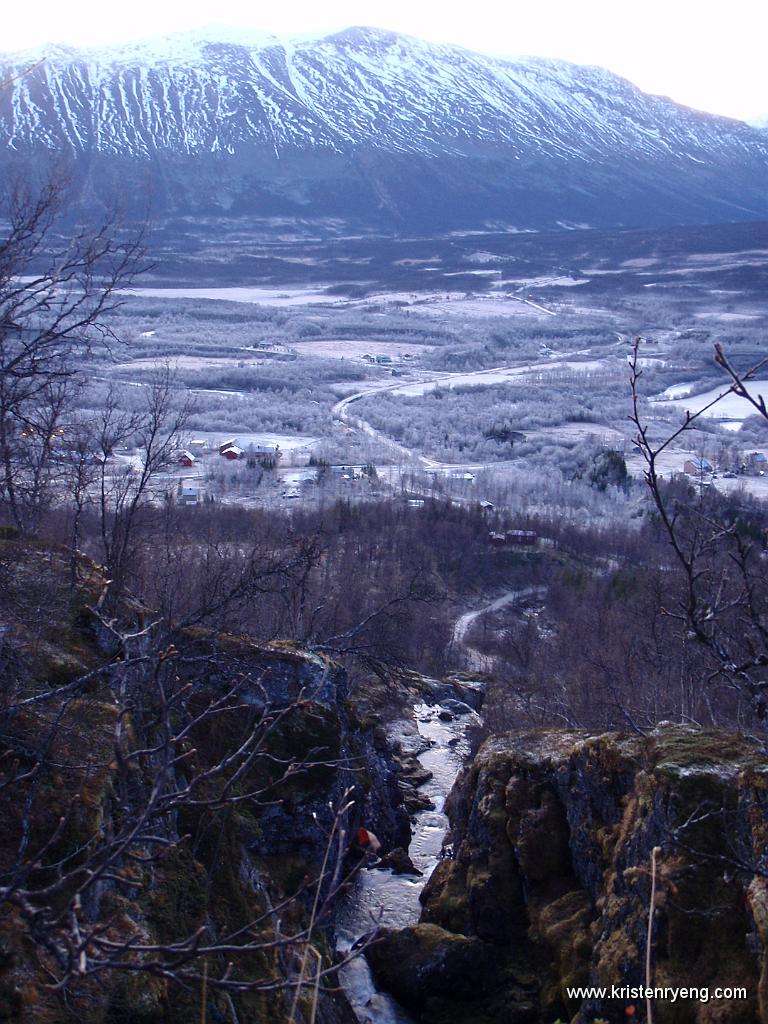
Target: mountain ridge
[{"x": 381, "y": 128}]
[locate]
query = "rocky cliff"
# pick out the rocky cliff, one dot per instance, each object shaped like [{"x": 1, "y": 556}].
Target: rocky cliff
[
  {"x": 546, "y": 885},
  {"x": 125, "y": 847}
]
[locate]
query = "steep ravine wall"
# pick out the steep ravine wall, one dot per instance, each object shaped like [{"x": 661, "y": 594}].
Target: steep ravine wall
[
  {"x": 223, "y": 867},
  {"x": 547, "y": 882}
]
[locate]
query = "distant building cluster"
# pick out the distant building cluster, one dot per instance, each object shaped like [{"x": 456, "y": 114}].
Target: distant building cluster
[
  {"x": 752, "y": 464},
  {"x": 259, "y": 450},
  {"x": 189, "y": 492}
]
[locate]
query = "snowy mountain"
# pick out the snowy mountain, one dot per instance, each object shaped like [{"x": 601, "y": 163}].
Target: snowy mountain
[{"x": 376, "y": 130}]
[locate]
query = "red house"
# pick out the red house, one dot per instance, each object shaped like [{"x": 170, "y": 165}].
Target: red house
[{"x": 232, "y": 452}]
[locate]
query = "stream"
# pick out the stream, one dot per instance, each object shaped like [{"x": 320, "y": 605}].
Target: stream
[{"x": 381, "y": 898}]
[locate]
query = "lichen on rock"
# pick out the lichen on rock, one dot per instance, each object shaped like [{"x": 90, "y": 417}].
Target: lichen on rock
[{"x": 552, "y": 834}]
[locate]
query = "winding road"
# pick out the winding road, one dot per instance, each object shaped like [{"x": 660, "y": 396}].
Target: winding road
[
  {"x": 477, "y": 661},
  {"x": 341, "y": 410}
]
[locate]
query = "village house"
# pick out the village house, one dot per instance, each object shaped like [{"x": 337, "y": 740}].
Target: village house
[
  {"x": 516, "y": 538},
  {"x": 186, "y": 458},
  {"x": 188, "y": 494},
  {"x": 757, "y": 463},
  {"x": 347, "y": 472},
  {"x": 262, "y": 450},
  {"x": 697, "y": 467}
]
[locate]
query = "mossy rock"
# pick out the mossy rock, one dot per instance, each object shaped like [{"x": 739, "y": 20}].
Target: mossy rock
[
  {"x": 537, "y": 829},
  {"x": 562, "y": 927},
  {"x": 427, "y": 961},
  {"x": 688, "y": 748},
  {"x": 10, "y": 1003},
  {"x": 177, "y": 901},
  {"x": 318, "y": 730},
  {"x": 138, "y": 999},
  {"x": 446, "y": 899}
]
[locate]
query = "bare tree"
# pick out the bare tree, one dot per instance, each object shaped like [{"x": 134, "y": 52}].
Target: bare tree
[
  {"x": 131, "y": 485},
  {"x": 55, "y": 295},
  {"x": 158, "y": 761},
  {"x": 723, "y": 606}
]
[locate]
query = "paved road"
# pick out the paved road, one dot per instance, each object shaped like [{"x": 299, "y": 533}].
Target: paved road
[{"x": 341, "y": 410}]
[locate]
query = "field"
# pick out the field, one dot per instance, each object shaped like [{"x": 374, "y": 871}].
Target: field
[
  {"x": 358, "y": 348},
  {"x": 731, "y": 409}
]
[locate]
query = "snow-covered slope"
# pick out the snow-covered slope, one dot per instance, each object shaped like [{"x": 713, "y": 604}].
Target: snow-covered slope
[{"x": 372, "y": 126}]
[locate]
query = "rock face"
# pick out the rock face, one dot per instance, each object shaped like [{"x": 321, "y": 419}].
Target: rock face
[
  {"x": 240, "y": 867},
  {"x": 369, "y": 129},
  {"x": 289, "y": 672},
  {"x": 552, "y": 838},
  {"x": 222, "y": 868},
  {"x": 427, "y": 962}
]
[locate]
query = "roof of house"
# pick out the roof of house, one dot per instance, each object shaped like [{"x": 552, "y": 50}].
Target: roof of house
[
  {"x": 232, "y": 449},
  {"x": 701, "y": 464},
  {"x": 187, "y": 455}
]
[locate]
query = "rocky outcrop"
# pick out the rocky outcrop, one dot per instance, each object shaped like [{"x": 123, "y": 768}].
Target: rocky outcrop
[
  {"x": 333, "y": 728},
  {"x": 223, "y": 865},
  {"x": 427, "y": 962},
  {"x": 552, "y": 843}
]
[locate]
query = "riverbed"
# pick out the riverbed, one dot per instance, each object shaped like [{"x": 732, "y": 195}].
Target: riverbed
[{"x": 380, "y": 898}]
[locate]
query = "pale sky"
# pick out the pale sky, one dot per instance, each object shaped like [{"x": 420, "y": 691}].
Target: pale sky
[{"x": 710, "y": 56}]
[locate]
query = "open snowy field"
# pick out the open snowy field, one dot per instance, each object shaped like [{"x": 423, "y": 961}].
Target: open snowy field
[
  {"x": 179, "y": 362},
  {"x": 730, "y": 407},
  {"x": 262, "y": 296},
  {"x": 498, "y": 376},
  {"x": 356, "y": 348}
]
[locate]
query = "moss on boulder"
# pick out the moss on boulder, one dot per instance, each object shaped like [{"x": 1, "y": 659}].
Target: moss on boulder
[
  {"x": 552, "y": 838},
  {"x": 426, "y": 962}
]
